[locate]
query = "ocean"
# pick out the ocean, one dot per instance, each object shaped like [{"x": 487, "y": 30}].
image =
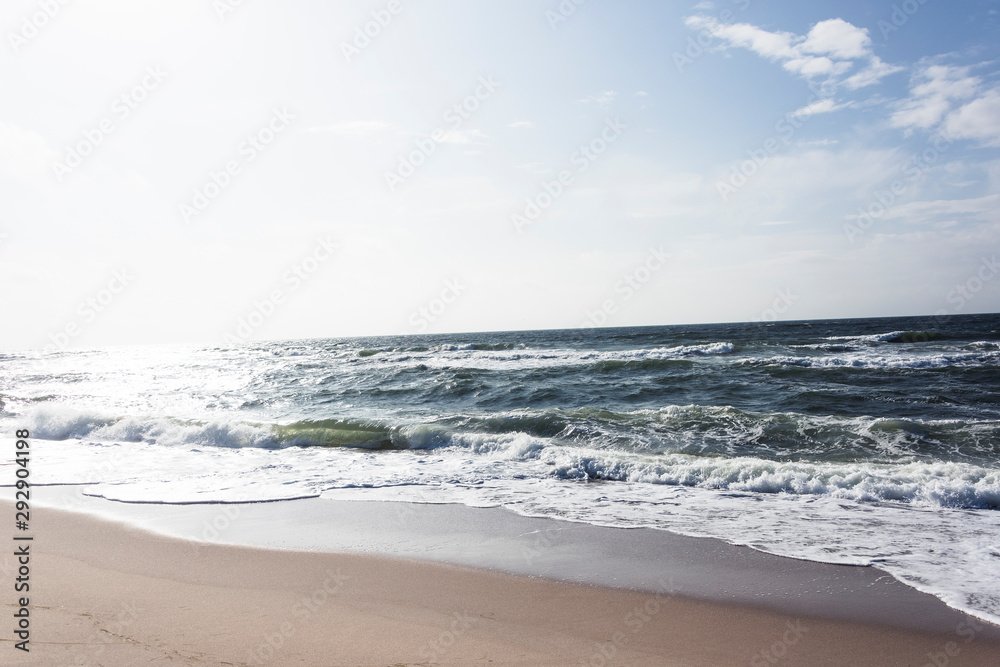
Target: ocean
[{"x": 864, "y": 442}]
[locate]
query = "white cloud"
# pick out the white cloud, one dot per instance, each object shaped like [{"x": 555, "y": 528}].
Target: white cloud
[
  {"x": 921, "y": 113},
  {"x": 356, "y": 128},
  {"x": 838, "y": 38},
  {"x": 830, "y": 49},
  {"x": 979, "y": 119},
  {"x": 985, "y": 208},
  {"x": 875, "y": 72},
  {"x": 771, "y": 45},
  {"x": 602, "y": 98},
  {"x": 945, "y": 81},
  {"x": 816, "y": 66},
  {"x": 641, "y": 93},
  {"x": 522, "y": 123},
  {"x": 821, "y": 106},
  {"x": 932, "y": 93},
  {"x": 819, "y": 143}
]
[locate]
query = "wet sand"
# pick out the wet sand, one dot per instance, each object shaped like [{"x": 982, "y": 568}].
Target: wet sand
[{"x": 110, "y": 593}]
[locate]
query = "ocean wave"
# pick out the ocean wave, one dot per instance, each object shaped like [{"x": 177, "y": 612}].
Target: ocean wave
[
  {"x": 483, "y": 347},
  {"x": 54, "y": 422},
  {"x": 728, "y": 431},
  {"x": 893, "y": 337},
  {"x": 448, "y": 453},
  {"x": 498, "y": 357},
  {"x": 406, "y": 351},
  {"x": 869, "y": 360},
  {"x": 827, "y": 347},
  {"x": 910, "y": 337},
  {"x": 691, "y": 429},
  {"x": 952, "y": 485}
]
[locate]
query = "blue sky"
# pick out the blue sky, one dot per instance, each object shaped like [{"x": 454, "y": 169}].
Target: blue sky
[{"x": 214, "y": 170}]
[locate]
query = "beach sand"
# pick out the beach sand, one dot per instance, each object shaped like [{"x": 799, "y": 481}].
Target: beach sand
[{"x": 107, "y": 593}]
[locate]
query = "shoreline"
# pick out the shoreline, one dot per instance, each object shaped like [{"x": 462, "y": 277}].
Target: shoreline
[
  {"x": 501, "y": 540},
  {"x": 105, "y": 592}
]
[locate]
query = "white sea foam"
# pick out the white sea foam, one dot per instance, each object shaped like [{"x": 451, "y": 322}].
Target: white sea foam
[
  {"x": 859, "y": 514},
  {"x": 887, "y": 337},
  {"x": 468, "y": 356},
  {"x": 926, "y": 484},
  {"x": 935, "y": 483},
  {"x": 58, "y": 422},
  {"x": 867, "y": 359}
]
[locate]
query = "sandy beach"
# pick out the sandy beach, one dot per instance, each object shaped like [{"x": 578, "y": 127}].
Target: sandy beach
[
  {"x": 107, "y": 593},
  {"x": 388, "y": 333}
]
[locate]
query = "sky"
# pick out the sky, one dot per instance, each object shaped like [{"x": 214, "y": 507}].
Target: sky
[{"x": 226, "y": 171}]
